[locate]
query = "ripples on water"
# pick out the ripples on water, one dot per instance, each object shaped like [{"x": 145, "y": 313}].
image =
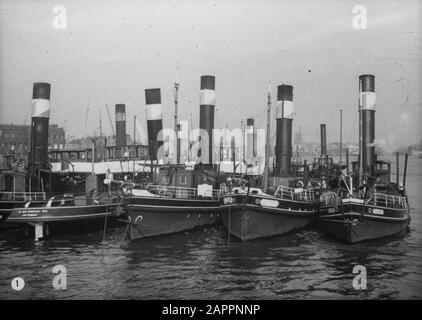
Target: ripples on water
[{"x": 202, "y": 265}]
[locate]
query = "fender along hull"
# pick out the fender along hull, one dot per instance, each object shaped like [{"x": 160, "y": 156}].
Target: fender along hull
[
  {"x": 249, "y": 221},
  {"x": 150, "y": 217},
  {"x": 353, "y": 223}
]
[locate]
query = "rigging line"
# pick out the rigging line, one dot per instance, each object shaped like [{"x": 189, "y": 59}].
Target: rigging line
[
  {"x": 86, "y": 118},
  {"x": 27, "y": 112}
]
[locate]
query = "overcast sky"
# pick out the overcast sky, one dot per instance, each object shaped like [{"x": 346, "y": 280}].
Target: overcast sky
[{"x": 112, "y": 50}]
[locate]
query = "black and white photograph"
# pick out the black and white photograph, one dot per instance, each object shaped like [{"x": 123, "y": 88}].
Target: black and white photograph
[{"x": 223, "y": 151}]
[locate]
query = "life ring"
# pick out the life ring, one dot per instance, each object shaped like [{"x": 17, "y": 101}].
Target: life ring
[{"x": 369, "y": 210}]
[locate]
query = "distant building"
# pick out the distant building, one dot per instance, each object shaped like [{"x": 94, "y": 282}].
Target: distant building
[{"x": 17, "y": 138}]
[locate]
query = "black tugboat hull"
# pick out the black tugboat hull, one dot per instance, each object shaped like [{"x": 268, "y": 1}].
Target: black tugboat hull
[
  {"x": 350, "y": 231},
  {"x": 351, "y": 226},
  {"x": 60, "y": 214},
  {"x": 66, "y": 219},
  {"x": 149, "y": 217},
  {"x": 6, "y": 207},
  {"x": 253, "y": 221}
]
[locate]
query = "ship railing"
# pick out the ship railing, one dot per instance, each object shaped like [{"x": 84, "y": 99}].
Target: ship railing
[
  {"x": 181, "y": 192},
  {"x": 297, "y": 194},
  {"x": 22, "y": 196},
  {"x": 329, "y": 198},
  {"x": 389, "y": 200}
]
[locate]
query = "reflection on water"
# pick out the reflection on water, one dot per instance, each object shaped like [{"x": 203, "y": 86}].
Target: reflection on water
[{"x": 201, "y": 264}]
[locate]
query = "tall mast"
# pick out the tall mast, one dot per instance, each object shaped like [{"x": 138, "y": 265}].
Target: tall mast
[
  {"x": 341, "y": 134},
  {"x": 360, "y": 137},
  {"x": 176, "y": 129},
  {"x": 267, "y": 141},
  {"x": 101, "y": 139},
  {"x": 243, "y": 143},
  {"x": 101, "y": 127},
  {"x": 93, "y": 157},
  {"x": 190, "y": 156},
  {"x": 134, "y": 147}
]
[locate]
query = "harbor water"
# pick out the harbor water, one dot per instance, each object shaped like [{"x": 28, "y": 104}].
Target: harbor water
[{"x": 203, "y": 264}]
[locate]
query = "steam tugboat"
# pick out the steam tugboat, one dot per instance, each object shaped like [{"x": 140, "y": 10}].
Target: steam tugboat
[
  {"x": 248, "y": 212},
  {"x": 376, "y": 207},
  {"x": 22, "y": 185},
  {"x": 68, "y": 210},
  {"x": 180, "y": 198},
  {"x": 29, "y": 199}
]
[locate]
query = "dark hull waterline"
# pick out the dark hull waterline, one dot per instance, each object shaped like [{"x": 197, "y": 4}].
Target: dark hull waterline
[
  {"x": 150, "y": 217},
  {"x": 356, "y": 222},
  {"x": 62, "y": 214},
  {"x": 6, "y": 207},
  {"x": 247, "y": 218},
  {"x": 252, "y": 222}
]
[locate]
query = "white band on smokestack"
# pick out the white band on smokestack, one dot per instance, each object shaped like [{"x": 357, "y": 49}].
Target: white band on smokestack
[
  {"x": 285, "y": 107},
  {"x": 120, "y": 116},
  {"x": 367, "y": 100},
  {"x": 207, "y": 97},
  {"x": 40, "y": 108},
  {"x": 289, "y": 109},
  {"x": 154, "y": 111}
]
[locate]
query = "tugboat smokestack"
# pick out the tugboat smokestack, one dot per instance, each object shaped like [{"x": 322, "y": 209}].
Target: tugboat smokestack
[
  {"x": 367, "y": 99},
  {"x": 323, "y": 141},
  {"x": 154, "y": 121},
  {"x": 206, "y": 116},
  {"x": 284, "y": 116},
  {"x": 250, "y": 140},
  {"x": 120, "y": 125},
  {"x": 39, "y": 126}
]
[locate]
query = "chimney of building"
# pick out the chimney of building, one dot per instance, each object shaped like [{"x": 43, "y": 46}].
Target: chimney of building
[{"x": 323, "y": 141}]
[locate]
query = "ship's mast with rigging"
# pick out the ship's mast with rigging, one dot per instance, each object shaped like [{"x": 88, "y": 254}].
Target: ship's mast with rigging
[
  {"x": 267, "y": 143},
  {"x": 176, "y": 124}
]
